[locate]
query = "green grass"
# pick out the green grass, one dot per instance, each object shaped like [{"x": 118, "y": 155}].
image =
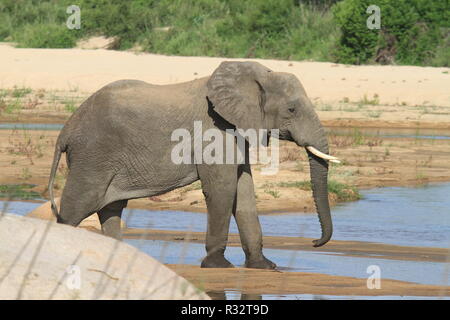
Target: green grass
[
  {"x": 18, "y": 192},
  {"x": 261, "y": 29},
  {"x": 358, "y": 138},
  {"x": 343, "y": 191},
  {"x": 374, "y": 114},
  {"x": 20, "y": 92},
  {"x": 367, "y": 101},
  {"x": 13, "y": 105},
  {"x": 303, "y": 185},
  {"x": 197, "y": 185},
  {"x": 274, "y": 193},
  {"x": 70, "y": 106}
]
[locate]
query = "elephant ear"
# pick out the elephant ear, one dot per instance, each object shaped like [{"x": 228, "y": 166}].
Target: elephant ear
[{"x": 236, "y": 92}]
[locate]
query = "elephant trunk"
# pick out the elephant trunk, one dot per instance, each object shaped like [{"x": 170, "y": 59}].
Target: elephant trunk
[
  {"x": 319, "y": 184},
  {"x": 316, "y": 146}
]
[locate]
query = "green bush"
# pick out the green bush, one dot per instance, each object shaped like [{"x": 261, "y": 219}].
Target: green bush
[
  {"x": 411, "y": 32},
  {"x": 45, "y": 36}
]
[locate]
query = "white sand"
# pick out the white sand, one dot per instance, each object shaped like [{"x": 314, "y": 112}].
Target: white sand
[{"x": 89, "y": 70}]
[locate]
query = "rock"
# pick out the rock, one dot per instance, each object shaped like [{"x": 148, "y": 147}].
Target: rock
[
  {"x": 99, "y": 42},
  {"x": 45, "y": 212},
  {"x": 45, "y": 260}
]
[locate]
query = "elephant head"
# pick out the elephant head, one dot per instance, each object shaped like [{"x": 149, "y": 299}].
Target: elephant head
[{"x": 249, "y": 95}]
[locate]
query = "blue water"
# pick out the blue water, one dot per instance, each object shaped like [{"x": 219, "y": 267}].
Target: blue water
[
  {"x": 236, "y": 295},
  {"x": 438, "y": 134},
  {"x": 401, "y": 216},
  {"x": 302, "y": 261},
  {"x": 31, "y": 126}
]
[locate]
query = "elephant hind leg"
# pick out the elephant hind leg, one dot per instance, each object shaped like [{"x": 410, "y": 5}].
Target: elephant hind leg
[
  {"x": 110, "y": 219},
  {"x": 74, "y": 209},
  {"x": 80, "y": 199}
]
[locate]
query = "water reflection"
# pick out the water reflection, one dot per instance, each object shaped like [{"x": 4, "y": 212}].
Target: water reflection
[{"x": 233, "y": 295}]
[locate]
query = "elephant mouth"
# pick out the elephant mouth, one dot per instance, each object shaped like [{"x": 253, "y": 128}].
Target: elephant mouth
[{"x": 322, "y": 155}]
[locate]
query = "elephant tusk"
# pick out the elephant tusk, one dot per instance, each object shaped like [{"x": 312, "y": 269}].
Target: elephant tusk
[{"x": 322, "y": 155}]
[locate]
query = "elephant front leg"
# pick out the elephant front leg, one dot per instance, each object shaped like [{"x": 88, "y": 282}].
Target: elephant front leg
[
  {"x": 219, "y": 185},
  {"x": 248, "y": 222}
]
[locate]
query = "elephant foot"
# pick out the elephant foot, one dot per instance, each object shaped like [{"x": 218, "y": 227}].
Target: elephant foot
[
  {"x": 263, "y": 263},
  {"x": 216, "y": 261}
]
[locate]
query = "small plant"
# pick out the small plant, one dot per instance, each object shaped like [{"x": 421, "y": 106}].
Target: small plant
[
  {"x": 290, "y": 154},
  {"x": 326, "y": 107},
  {"x": 31, "y": 103},
  {"x": 20, "y": 92},
  {"x": 366, "y": 101},
  {"x": 70, "y": 106},
  {"x": 374, "y": 113},
  {"x": 358, "y": 137},
  {"x": 303, "y": 185},
  {"x": 12, "y": 106},
  {"x": 343, "y": 191},
  {"x": 299, "y": 166},
  {"x": 352, "y": 109},
  {"x": 197, "y": 185},
  {"x": 25, "y": 146},
  {"x": 18, "y": 191},
  {"x": 3, "y": 93},
  {"x": 26, "y": 174},
  {"x": 420, "y": 176},
  {"x": 40, "y": 93},
  {"x": 273, "y": 193}
]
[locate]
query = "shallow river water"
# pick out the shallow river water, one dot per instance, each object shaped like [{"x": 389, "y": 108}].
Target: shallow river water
[{"x": 402, "y": 216}]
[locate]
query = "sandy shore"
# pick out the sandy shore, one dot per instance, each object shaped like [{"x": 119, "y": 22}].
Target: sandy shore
[
  {"x": 26, "y": 157},
  {"x": 254, "y": 281},
  {"x": 380, "y": 96},
  {"x": 88, "y": 70},
  {"x": 259, "y": 282}
]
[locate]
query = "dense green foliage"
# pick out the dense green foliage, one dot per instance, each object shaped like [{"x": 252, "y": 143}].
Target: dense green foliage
[{"x": 413, "y": 32}]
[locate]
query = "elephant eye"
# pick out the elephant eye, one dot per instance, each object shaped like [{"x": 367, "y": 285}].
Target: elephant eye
[{"x": 291, "y": 109}]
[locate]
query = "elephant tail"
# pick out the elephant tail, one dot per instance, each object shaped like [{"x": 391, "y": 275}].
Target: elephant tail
[{"x": 56, "y": 158}]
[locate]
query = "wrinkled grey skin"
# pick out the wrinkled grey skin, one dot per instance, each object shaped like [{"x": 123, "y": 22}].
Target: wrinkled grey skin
[{"x": 118, "y": 147}]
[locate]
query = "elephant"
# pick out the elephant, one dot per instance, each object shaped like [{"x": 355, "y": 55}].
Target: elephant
[{"x": 118, "y": 147}]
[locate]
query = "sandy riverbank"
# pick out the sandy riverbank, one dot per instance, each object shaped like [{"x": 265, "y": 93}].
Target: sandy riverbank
[
  {"x": 255, "y": 282},
  {"x": 26, "y": 156}
]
